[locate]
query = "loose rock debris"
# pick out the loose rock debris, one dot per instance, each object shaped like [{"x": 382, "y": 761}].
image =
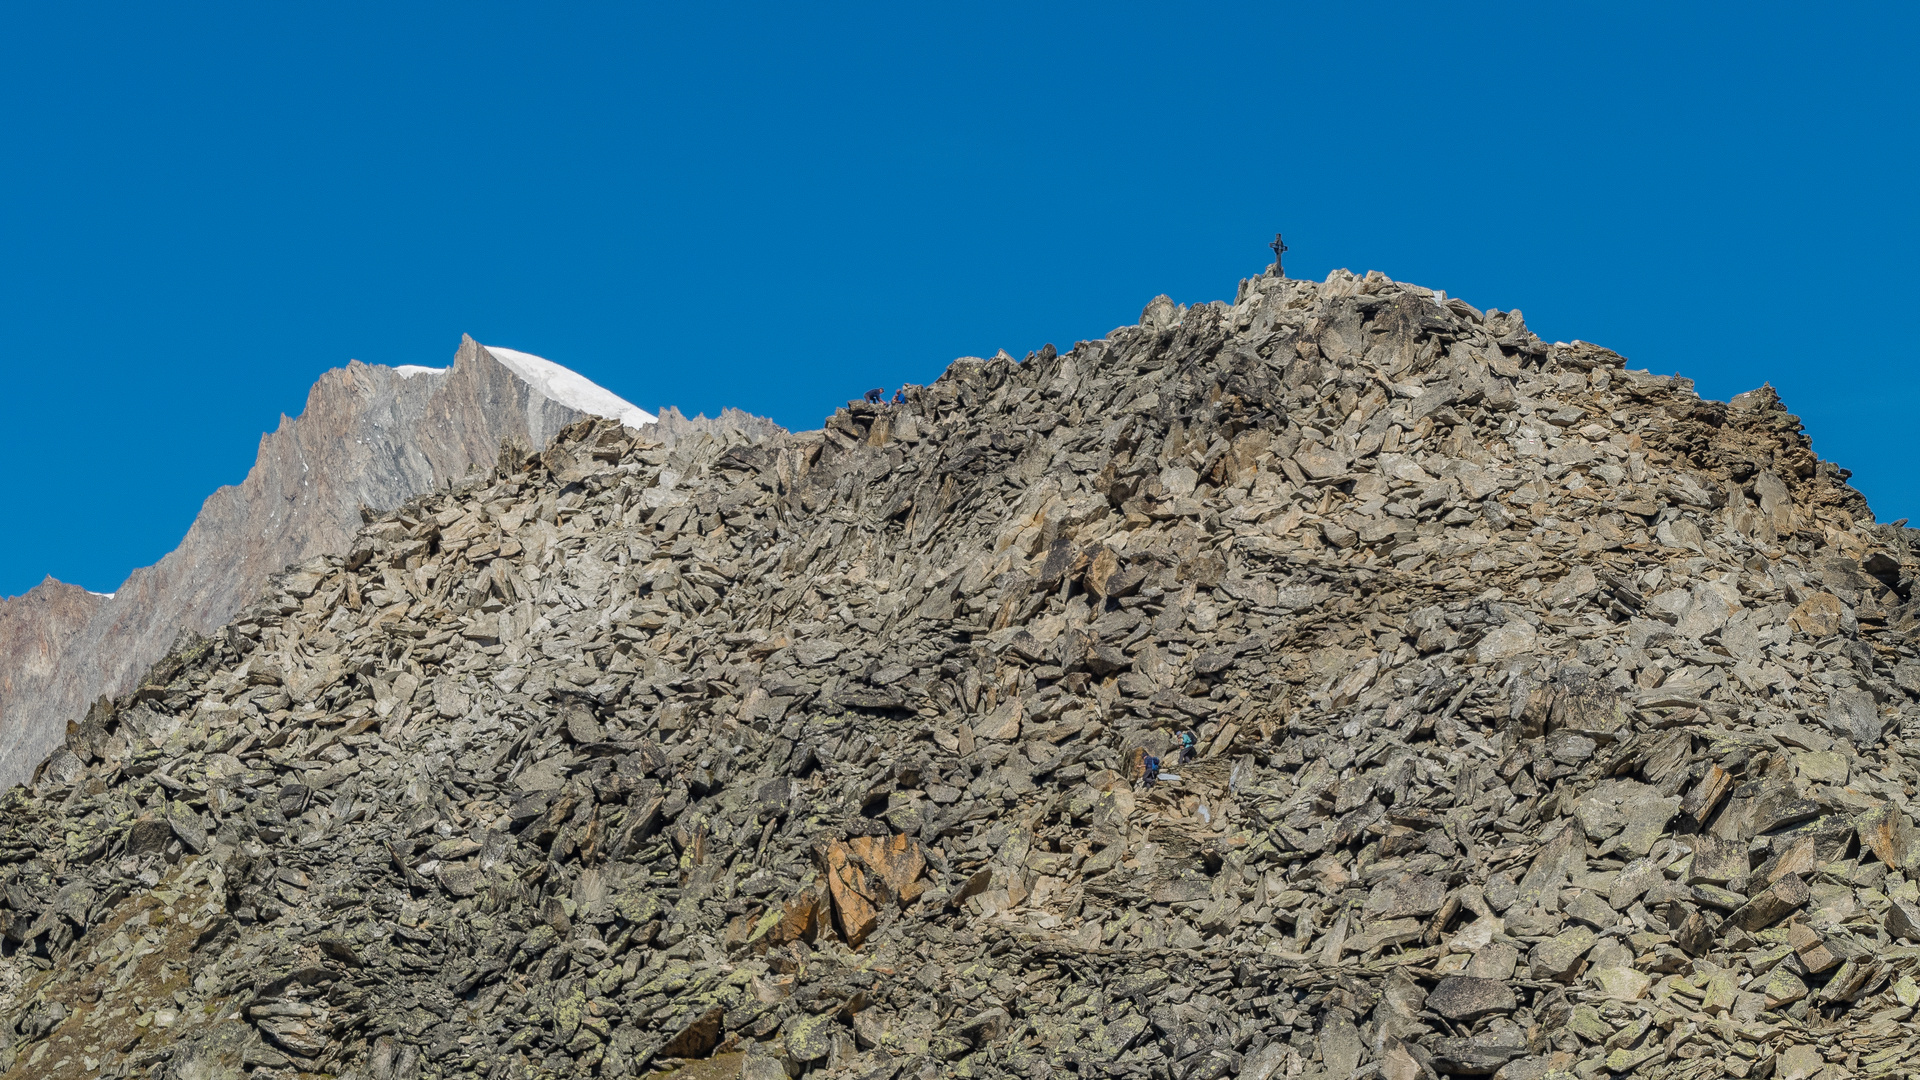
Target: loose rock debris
[{"x": 1549, "y": 721}]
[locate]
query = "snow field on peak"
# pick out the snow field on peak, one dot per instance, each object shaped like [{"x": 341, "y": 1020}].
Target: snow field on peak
[
  {"x": 408, "y": 371},
  {"x": 570, "y": 388}
]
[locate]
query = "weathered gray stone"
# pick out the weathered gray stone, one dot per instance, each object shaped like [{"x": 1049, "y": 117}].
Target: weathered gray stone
[
  {"x": 1465, "y": 1000},
  {"x": 1903, "y": 919},
  {"x": 1771, "y": 905},
  {"x": 1559, "y": 957}
]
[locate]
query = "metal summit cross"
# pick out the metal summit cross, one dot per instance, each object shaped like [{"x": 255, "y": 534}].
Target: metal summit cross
[{"x": 1279, "y": 248}]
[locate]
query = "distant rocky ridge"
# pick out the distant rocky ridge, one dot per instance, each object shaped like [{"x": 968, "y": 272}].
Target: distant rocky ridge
[
  {"x": 671, "y": 425},
  {"x": 370, "y": 438}
]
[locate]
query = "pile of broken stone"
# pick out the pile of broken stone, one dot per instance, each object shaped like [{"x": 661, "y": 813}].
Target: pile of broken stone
[{"x": 1549, "y": 719}]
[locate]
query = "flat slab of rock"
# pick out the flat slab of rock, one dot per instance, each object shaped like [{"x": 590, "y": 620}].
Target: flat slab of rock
[{"x": 1465, "y": 1000}]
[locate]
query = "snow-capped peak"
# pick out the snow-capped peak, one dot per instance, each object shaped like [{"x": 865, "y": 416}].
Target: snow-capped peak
[{"x": 570, "y": 388}]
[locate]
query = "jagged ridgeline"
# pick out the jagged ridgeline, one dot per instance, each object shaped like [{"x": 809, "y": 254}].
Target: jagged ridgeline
[{"x": 1549, "y": 720}]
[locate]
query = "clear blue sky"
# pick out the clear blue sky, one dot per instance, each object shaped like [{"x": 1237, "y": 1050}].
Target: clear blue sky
[{"x": 778, "y": 206}]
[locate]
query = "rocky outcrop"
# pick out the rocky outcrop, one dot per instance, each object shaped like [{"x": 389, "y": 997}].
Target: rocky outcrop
[
  {"x": 370, "y": 438},
  {"x": 671, "y": 425},
  {"x": 1544, "y": 720},
  {"x": 37, "y": 628}
]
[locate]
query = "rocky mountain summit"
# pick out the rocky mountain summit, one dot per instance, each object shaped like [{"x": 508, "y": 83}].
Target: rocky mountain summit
[
  {"x": 370, "y": 437},
  {"x": 1548, "y": 721}
]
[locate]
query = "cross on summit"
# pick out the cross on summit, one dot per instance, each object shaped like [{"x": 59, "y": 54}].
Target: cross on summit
[{"x": 1279, "y": 248}]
